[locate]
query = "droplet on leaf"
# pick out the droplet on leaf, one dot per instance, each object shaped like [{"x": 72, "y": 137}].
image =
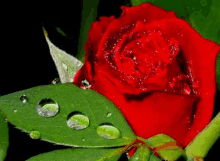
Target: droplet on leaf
[
  {"x": 109, "y": 114},
  {"x": 108, "y": 131},
  {"x": 35, "y": 134},
  {"x": 15, "y": 110},
  {"x": 47, "y": 108},
  {"x": 56, "y": 81},
  {"x": 86, "y": 83},
  {"x": 77, "y": 121},
  {"x": 24, "y": 98}
]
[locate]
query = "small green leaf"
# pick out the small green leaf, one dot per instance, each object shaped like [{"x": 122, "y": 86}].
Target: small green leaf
[
  {"x": 204, "y": 140},
  {"x": 66, "y": 64},
  {"x": 80, "y": 154},
  {"x": 72, "y": 102},
  {"x": 167, "y": 154},
  {"x": 154, "y": 158},
  {"x": 4, "y": 137},
  {"x": 89, "y": 14},
  {"x": 142, "y": 154}
]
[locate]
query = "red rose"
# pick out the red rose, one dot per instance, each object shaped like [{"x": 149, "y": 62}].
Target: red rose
[{"x": 155, "y": 68}]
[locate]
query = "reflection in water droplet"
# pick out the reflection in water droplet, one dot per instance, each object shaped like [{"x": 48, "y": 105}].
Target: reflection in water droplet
[
  {"x": 64, "y": 66},
  {"x": 35, "y": 134},
  {"x": 109, "y": 114},
  {"x": 24, "y": 98},
  {"x": 15, "y": 110},
  {"x": 47, "y": 108},
  {"x": 78, "y": 121},
  {"x": 108, "y": 132},
  {"x": 56, "y": 81}
]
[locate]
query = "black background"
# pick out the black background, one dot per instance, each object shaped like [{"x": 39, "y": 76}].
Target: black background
[{"x": 25, "y": 60}]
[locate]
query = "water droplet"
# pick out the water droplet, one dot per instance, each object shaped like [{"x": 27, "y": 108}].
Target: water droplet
[
  {"x": 77, "y": 121},
  {"x": 86, "y": 84},
  {"x": 109, "y": 114},
  {"x": 24, "y": 98},
  {"x": 83, "y": 139},
  {"x": 64, "y": 66},
  {"x": 15, "y": 110},
  {"x": 47, "y": 108},
  {"x": 6, "y": 120},
  {"x": 56, "y": 81},
  {"x": 35, "y": 134},
  {"x": 108, "y": 132}
]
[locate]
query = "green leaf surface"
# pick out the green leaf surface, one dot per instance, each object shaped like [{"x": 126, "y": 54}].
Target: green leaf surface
[
  {"x": 168, "y": 154},
  {"x": 4, "y": 137},
  {"x": 172, "y": 5},
  {"x": 154, "y": 158},
  {"x": 89, "y": 14},
  {"x": 70, "y": 100},
  {"x": 80, "y": 154},
  {"x": 66, "y": 64},
  {"x": 204, "y": 140},
  {"x": 142, "y": 154},
  {"x": 204, "y": 16}
]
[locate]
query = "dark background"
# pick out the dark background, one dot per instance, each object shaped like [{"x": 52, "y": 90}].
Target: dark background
[{"x": 25, "y": 60}]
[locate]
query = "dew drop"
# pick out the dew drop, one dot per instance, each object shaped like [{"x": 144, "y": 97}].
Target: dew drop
[
  {"x": 15, "y": 110},
  {"x": 47, "y": 107},
  {"x": 24, "y": 98},
  {"x": 64, "y": 66},
  {"x": 35, "y": 134},
  {"x": 108, "y": 132},
  {"x": 56, "y": 81},
  {"x": 77, "y": 121},
  {"x": 109, "y": 114},
  {"x": 83, "y": 139},
  {"x": 86, "y": 84}
]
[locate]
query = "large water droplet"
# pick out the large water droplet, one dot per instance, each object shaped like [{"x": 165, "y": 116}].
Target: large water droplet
[
  {"x": 78, "y": 121},
  {"x": 24, "y": 98},
  {"x": 56, "y": 81},
  {"x": 35, "y": 134},
  {"x": 47, "y": 108},
  {"x": 108, "y": 132}
]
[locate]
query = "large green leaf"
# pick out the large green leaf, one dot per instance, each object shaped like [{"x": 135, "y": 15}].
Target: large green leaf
[
  {"x": 80, "y": 154},
  {"x": 71, "y": 100},
  {"x": 4, "y": 137},
  {"x": 89, "y": 14}
]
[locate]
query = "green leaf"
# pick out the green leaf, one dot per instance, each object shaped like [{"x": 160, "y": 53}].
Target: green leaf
[
  {"x": 4, "y": 137},
  {"x": 168, "y": 154},
  {"x": 142, "y": 153},
  {"x": 66, "y": 64},
  {"x": 154, "y": 158},
  {"x": 89, "y": 14},
  {"x": 204, "y": 16},
  {"x": 65, "y": 101},
  {"x": 204, "y": 140},
  {"x": 172, "y": 5},
  {"x": 80, "y": 154}
]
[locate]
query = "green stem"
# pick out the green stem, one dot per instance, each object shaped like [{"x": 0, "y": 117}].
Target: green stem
[{"x": 205, "y": 139}]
